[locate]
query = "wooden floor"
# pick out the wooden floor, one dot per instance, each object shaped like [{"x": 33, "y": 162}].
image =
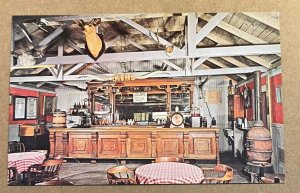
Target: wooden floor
[{"x": 86, "y": 173}]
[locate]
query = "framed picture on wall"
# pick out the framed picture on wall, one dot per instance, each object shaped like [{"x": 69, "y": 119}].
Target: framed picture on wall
[
  {"x": 31, "y": 108},
  {"x": 19, "y": 108},
  {"x": 49, "y": 105}
]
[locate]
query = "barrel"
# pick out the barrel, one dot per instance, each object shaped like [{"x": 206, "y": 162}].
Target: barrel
[
  {"x": 59, "y": 119},
  {"x": 259, "y": 144}
]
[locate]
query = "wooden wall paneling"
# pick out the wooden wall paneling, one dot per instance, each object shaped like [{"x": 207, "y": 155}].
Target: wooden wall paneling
[
  {"x": 139, "y": 144},
  {"x": 170, "y": 144},
  {"x": 109, "y": 144},
  {"x": 203, "y": 145},
  {"x": 127, "y": 143},
  {"x": 80, "y": 145}
]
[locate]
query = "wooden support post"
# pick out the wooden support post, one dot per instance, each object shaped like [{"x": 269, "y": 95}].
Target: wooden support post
[
  {"x": 186, "y": 143},
  {"x": 94, "y": 137},
  {"x": 153, "y": 143},
  {"x": 217, "y": 147},
  {"x": 52, "y": 141},
  {"x": 123, "y": 144},
  {"x": 65, "y": 141},
  {"x": 168, "y": 98}
]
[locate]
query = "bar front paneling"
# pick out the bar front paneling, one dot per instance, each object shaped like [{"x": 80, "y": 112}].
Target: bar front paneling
[{"x": 135, "y": 142}]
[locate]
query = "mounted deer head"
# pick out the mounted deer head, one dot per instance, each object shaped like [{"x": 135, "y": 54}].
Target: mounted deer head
[{"x": 94, "y": 42}]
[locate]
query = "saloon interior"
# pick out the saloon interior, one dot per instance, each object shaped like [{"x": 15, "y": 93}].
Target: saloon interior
[{"x": 116, "y": 99}]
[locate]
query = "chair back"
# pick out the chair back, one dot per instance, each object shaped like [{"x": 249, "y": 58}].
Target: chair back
[
  {"x": 15, "y": 147},
  {"x": 11, "y": 174},
  {"x": 44, "y": 172},
  {"x": 168, "y": 159},
  {"x": 120, "y": 175},
  {"x": 52, "y": 166},
  {"x": 212, "y": 175}
]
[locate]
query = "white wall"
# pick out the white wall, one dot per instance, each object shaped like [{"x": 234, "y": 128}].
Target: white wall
[
  {"x": 219, "y": 111},
  {"x": 278, "y": 149},
  {"x": 66, "y": 97}
]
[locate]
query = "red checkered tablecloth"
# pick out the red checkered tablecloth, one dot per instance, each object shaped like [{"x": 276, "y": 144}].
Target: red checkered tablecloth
[
  {"x": 23, "y": 160},
  {"x": 169, "y": 173}
]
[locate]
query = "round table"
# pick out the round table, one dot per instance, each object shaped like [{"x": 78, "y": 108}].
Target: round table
[
  {"x": 23, "y": 160},
  {"x": 169, "y": 173}
]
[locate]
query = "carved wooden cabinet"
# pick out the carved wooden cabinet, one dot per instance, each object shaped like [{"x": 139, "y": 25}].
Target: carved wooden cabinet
[
  {"x": 109, "y": 144},
  {"x": 170, "y": 144},
  {"x": 138, "y": 144}
]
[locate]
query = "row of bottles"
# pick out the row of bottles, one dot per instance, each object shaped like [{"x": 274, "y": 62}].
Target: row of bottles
[
  {"x": 202, "y": 122},
  {"x": 79, "y": 106}
]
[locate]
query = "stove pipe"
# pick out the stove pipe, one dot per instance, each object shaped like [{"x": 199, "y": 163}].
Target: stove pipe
[{"x": 257, "y": 99}]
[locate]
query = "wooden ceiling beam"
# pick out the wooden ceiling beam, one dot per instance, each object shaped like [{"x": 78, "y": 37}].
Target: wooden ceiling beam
[
  {"x": 163, "y": 74},
  {"x": 112, "y": 42},
  {"x": 256, "y": 59},
  {"x": 265, "y": 19},
  {"x": 235, "y": 31},
  {"x": 172, "y": 65},
  {"x": 106, "y": 17},
  {"x": 221, "y": 65},
  {"x": 159, "y": 55},
  {"x": 145, "y": 31},
  {"x": 53, "y": 35},
  {"x": 209, "y": 26},
  {"x": 74, "y": 69}
]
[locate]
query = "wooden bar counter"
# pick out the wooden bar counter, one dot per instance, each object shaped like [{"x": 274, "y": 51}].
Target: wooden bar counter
[{"x": 134, "y": 142}]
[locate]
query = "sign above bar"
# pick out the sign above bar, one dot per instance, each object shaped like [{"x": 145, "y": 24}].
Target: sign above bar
[{"x": 140, "y": 97}]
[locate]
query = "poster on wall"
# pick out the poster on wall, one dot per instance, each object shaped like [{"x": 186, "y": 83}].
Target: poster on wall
[
  {"x": 49, "y": 105},
  {"x": 31, "y": 112},
  {"x": 20, "y": 107},
  {"x": 140, "y": 97}
]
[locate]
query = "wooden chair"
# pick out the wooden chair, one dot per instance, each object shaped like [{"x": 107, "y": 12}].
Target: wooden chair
[
  {"x": 219, "y": 174},
  {"x": 120, "y": 175},
  {"x": 15, "y": 147},
  {"x": 44, "y": 172},
  {"x": 168, "y": 159},
  {"x": 11, "y": 175}
]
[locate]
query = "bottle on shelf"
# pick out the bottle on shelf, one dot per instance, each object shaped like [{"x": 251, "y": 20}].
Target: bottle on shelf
[
  {"x": 213, "y": 122},
  {"x": 75, "y": 106},
  {"x": 204, "y": 122}
]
